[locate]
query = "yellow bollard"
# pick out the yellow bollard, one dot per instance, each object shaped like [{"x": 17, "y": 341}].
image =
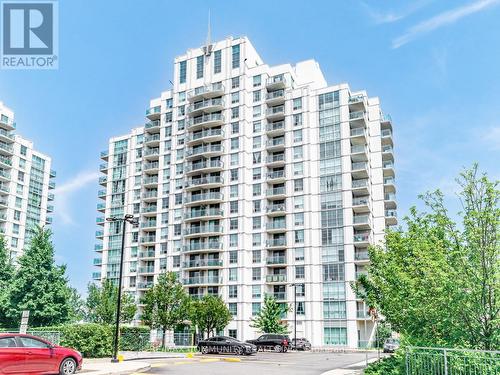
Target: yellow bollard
[
  {"x": 190, "y": 355},
  {"x": 120, "y": 358}
]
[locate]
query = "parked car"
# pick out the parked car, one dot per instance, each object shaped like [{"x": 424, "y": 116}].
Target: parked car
[
  {"x": 300, "y": 344},
  {"x": 23, "y": 354},
  {"x": 224, "y": 344},
  {"x": 278, "y": 343},
  {"x": 391, "y": 345}
]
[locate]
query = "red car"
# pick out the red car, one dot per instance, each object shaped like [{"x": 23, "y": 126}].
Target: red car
[{"x": 26, "y": 354}]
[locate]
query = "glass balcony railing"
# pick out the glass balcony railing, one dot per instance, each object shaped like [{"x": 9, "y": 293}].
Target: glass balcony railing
[
  {"x": 203, "y": 263},
  {"x": 147, "y": 239},
  {"x": 358, "y": 115},
  {"x": 203, "y": 165},
  {"x": 276, "y": 142},
  {"x": 215, "y": 102},
  {"x": 386, "y": 133},
  {"x": 391, "y": 213},
  {"x": 276, "y": 174},
  {"x": 203, "y": 229},
  {"x": 204, "y": 181},
  {"x": 356, "y": 132},
  {"x": 147, "y": 254},
  {"x": 204, "y": 245},
  {"x": 204, "y": 149},
  {"x": 356, "y": 149},
  {"x": 276, "y": 208},
  {"x": 202, "y": 280},
  {"x": 212, "y": 117},
  {"x": 275, "y": 111},
  {"x": 360, "y": 201},
  {"x": 202, "y": 197},
  {"x": 153, "y": 111},
  {"x": 356, "y": 99},
  {"x": 276, "y": 225},
  {"x": 360, "y": 219},
  {"x": 277, "y": 79},
  {"x": 152, "y": 124},
  {"x": 278, "y": 94},
  {"x": 275, "y": 278},
  {"x": 205, "y": 134},
  {"x": 203, "y": 213},
  {"x": 359, "y": 166},
  {"x": 274, "y": 126},
  {"x": 276, "y": 242},
  {"x": 276, "y": 260},
  {"x": 390, "y": 197}
]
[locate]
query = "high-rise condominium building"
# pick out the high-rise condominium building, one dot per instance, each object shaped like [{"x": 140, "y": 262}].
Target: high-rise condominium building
[
  {"x": 250, "y": 179},
  {"x": 26, "y": 181}
]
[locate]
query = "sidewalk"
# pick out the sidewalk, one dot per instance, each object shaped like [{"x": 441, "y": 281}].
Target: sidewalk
[
  {"x": 134, "y": 356},
  {"x": 103, "y": 366},
  {"x": 354, "y": 369}
]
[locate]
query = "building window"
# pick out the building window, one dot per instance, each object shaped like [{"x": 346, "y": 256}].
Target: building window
[
  {"x": 256, "y": 206},
  {"x": 257, "y": 189},
  {"x": 257, "y": 111},
  {"x": 256, "y": 274},
  {"x": 257, "y": 80},
  {"x": 233, "y": 223},
  {"x": 233, "y": 274},
  {"x": 199, "y": 66},
  {"x": 256, "y": 256},
  {"x": 257, "y": 173},
  {"x": 299, "y": 236},
  {"x": 298, "y": 185},
  {"x": 233, "y": 207},
  {"x": 235, "y": 127},
  {"x": 299, "y": 272},
  {"x": 256, "y": 96},
  {"x": 233, "y": 191},
  {"x": 235, "y": 82},
  {"x": 255, "y": 308},
  {"x": 334, "y": 310},
  {"x": 233, "y": 308},
  {"x": 297, "y": 119},
  {"x": 232, "y": 333},
  {"x": 256, "y": 291},
  {"x": 236, "y": 56},
  {"x": 235, "y": 97},
  {"x": 297, "y": 104},
  {"x": 217, "y": 61},
  {"x": 256, "y": 222},
  {"x": 182, "y": 71},
  {"x": 233, "y": 257},
  {"x": 234, "y": 174},
  {"x": 299, "y": 254},
  {"x": 235, "y": 112},
  {"x": 301, "y": 309},
  {"x": 297, "y": 136},
  {"x": 257, "y": 141},
  {"x": 299, "y": 219},
  {"x": 256, "y": 239},
  {"x": 233, "y": 291},
  {"x": 257, "y": 126},
  {"x": 233, "y": 240}
]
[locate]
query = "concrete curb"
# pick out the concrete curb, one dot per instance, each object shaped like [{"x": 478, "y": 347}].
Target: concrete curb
[
  {"x": 121, "y": 371},
  {"x": 353, "y": 369}
]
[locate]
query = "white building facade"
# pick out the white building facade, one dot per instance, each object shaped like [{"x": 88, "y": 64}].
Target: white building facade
[
  {"x": 26, "y": 185},
  {"x": 248, "y": 178}
]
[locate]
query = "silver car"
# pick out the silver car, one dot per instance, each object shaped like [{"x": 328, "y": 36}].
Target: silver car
[{"x": 391, "y": 345}]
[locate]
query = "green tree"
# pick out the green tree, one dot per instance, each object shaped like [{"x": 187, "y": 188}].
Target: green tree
[
  {"x": 210, "y": 314},
  {"x": 269, "y": 318},
  {"x": 438, "y": 282},
  {"x": 6, "y": 275},
  {"x": 39, "y": 285},
  {"x": 166, "y": 304},
  {"x": 101, "y": 304},
  {"x": 77, "y": 312}
]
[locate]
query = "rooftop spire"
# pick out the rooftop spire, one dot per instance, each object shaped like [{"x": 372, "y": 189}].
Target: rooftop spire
[{"x": 208, "y": 45}]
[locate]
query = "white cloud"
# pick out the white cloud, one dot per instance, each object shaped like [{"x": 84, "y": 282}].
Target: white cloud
[
  {"x": 442, "y": 19},
  {"x": 390, "y": 17},
  {"x": 63, "y": 193},
  {"x": 491, "y": 137}
]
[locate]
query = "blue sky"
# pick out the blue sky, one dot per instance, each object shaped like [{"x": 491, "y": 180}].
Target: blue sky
[{"x": 434, "y": 65}]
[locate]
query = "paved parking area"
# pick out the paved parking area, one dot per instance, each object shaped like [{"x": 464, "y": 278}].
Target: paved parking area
[{"x": 267, "y": 363}]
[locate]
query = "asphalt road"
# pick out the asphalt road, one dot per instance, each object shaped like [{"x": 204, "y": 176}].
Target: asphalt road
[{"x": 291, "y": 363}]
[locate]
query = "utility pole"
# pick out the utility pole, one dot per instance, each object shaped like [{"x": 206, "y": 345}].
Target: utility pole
[{"x": 126, "y": 219}]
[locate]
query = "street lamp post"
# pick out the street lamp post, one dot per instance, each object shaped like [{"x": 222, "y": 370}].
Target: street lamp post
[
  {"x": 126, "y": 219},
  {"x": 295, "y": 311}
]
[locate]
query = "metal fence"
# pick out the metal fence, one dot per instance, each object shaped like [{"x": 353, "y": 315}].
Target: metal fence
[{"x": 444, "y": 361}]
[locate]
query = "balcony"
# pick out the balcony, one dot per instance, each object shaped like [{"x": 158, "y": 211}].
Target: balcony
[
  {"x": 203, "y": 263},
  {"x": 202, "y": 280},
  {"x": 5, "y": 161},
  {"x": 98, "y": 247},
  {"x": 6, "y": 136},
  {"x": 204, "y": 198},
  {"x": 7, "y": 123},
  {"x": 276, "y": 243},
  {"x": 276, "y": 260},
  {"x": 6, "y": 149},
  {"x": 358, "y": 118},
  {"x": 361, "y": 221},
  {"x": 4, "y": 188},
  {"x": 152, "y": 140},
  {"x": 385, "y": 119},
  {"x": 150, "y": 196},
  {"x": 149, "y": 210},
  {"x": 276, "y": 193},
  {"x": 145, "y": 285},
  {"x": 101, "y": 194},
  {"x": 96, "y": 276},
  {"x": 359, "y": 170},
  {"x": 276, "y": 209},
  {"x": 4, "y": 175},
  {"x": 52, "y": 173},
  {"x": 389, "y": 184},
  {"x": 387, "y": 153},
  {"x": 209, "y": 135},
  {"x": 276, "y": 82},
  {"x": 275, "y": 128},
  {"x": 4, "y": 203},
  {"x": 200, "y": 182},
  {"x": 276, "y": 227},
  {"x": 103, "y": 167},
  {"x": 148, "y": 239},
  {"x": 391, "y": 217},
  {"x": 147, "y": 270},
  {"x": 153, "y": 113},
  {"x": 276, "y": 279},
  {"x": 358, "y": 136},
  {"x": 103, "y": 180},
  {"x": 148, "y": 224},
  {"x": 361, "y": 256},
  {"x": 151, "y": 167},
  {"x": 358, "y": 153},
  {"x": 275, "y": 144},
  {"x": 279, "y": 296},
  {"x": 357, "y": 102},
  {"x": 51, "y": 196},
  {"x": 390, "y": 200},
  {"x": 97, "y": 261},
  {"x": 203, "y": 230},
  {"x": 206, "y": 92},
  {"x": 386, "y": 135},
  {"x": 204, "y": 121},
  {"x": 275, "y": 113},
  {"x": 388, "y": 168},
  {"x": 152, "y": 127},
  {"x": 148, "y": 181},
  {"x": 206, "y": 106},
  {"x": 203, "y": 246},
  {"x": 100, "y": 220},
  {"x": 276, "y": 160},
  {"x": 147, "y": 254},
  {"x": 204, "y": 150},
  {"x": 362, "y": 314},
  {"x": 151, "y": 154},
  {"x": 275, "y": 97},
  {"x": 276, "y": 176},
  {"x": 205, "y": 214},
  {"x": 360, "y": 204},
  {"x": 99, "y": 234},
  {"x": 204, "y": 166}
]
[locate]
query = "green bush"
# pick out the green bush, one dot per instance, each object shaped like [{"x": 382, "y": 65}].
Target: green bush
[
  {"x": 92, "y": 340},
  {"x": 393, "y": 365}
]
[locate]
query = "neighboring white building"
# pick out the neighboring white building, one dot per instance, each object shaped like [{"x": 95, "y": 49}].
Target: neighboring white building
[
  {"x": 26, "y": 181},
  {"x": 248, "y": 178}
]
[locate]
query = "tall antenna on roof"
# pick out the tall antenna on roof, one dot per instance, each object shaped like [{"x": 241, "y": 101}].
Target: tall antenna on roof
[{"x": 208, "y": 45}]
